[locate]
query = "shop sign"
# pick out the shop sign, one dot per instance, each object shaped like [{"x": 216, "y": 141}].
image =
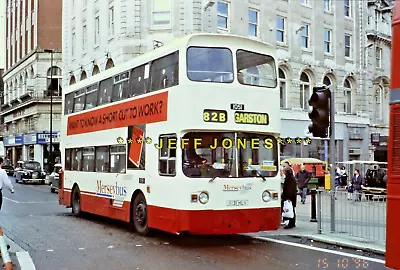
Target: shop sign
[
  {"x": 44, "y": 138},
  {"x": 30, "y": 138}
]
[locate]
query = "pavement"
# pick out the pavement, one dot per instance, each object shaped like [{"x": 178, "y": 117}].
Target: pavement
[{"x": 45, "y": 235}]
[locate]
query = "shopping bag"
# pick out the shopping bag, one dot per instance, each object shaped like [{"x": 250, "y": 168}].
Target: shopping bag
[{"x": 287, "y": 209}]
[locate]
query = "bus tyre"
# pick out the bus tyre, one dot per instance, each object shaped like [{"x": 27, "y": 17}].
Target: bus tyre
[
  {"x": 76, "y": 202},
  {"x": 139, "y": 215}
]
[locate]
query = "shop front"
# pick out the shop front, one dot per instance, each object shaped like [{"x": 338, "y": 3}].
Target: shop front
[
  {"x": 13, "y": 148},
  {"x": 379, "y": 144},
  {"x": 32, "y": 146}
]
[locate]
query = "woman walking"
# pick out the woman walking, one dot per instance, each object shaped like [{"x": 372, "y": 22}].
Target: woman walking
[{"x": 290, "y": 193}]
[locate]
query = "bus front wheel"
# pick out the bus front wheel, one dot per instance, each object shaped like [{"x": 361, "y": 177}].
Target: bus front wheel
[
  {"x": 139, "y": 215},
  {"x": 76, "y": 202}
]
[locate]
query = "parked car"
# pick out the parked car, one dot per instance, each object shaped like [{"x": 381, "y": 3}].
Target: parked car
[
  {"x": 54, "y": 178},
  {"x": 18, "y": 167},
  {"x": 8, "y": 168},
  {"x": 31, "y": 171}
]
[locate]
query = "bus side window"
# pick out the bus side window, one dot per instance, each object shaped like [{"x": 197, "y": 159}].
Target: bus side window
[
  {"x": 121, "y": 86},
  {"x": 76, "y": 159},
  {"x": 88, "y": 159},
  {"x": 105, "y": 92},
  {"x": 79, "y": 100},
  {"x": 91, "y": 97},
  {"x": 102, "y": 159},
  {"x": 68, "y": 164},
  {"x": 165, "y": 72},
  {"x": 167, "y": 155},
  {"x": 138, "y": 81},
  {"x": 118, "y": 158},
  {"x": 69, "y": 103}
]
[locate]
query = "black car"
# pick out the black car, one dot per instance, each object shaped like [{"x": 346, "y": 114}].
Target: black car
[
  {"x": 31, "y": 171},
  {"x": 8, "y": 168},
  {"x": 375, "y": 182}
]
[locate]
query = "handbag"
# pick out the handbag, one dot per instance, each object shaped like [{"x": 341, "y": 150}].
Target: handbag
[{"x": 287, "y": 209}]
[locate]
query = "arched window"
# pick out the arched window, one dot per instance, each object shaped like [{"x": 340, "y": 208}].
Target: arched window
[
  {"x": 21, "y": 86},
  {"x": 348, "y": 93},
  {"x": 379, "y": 102},
  {"x": 54, "y": 81},
  {"x": 83, "y": 75},
  {"x": 327, "y": 81},
  {"x": 304, "y": 90},
  {"x": 109, "y": 64},
  {"x": 72, "y": 80},
  {"x": 26, "y": 82},
  {"x": 282, "y": 87},
  {"x": 96, "y": 70}
]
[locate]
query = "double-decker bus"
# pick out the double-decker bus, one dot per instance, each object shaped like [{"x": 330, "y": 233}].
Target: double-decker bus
[
  {"x": 393, "y": 179},
  {"x": 179, "y": 139}
]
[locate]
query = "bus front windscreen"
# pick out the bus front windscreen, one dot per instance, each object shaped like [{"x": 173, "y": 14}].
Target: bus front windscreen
[{"x": 229, "y": 155}]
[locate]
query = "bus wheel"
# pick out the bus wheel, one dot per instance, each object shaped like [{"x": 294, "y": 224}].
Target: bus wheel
[
  {"x": 76, "y": 202},
  {"x": 139, "y": 215}
]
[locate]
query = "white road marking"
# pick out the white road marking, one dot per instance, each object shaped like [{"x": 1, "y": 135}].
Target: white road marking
[
  {"x": 25, "y": 260},
  {"x": 50, "y": 250},
  {"x": 81, "y": 248},
  {"x": 14, "y": 201},
  {"x": 320, "y": 249},
  {"x": 138, "y": 245}
]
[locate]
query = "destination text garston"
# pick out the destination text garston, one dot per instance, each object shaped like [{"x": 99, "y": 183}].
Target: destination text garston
[{"x": 120, "y": 115}]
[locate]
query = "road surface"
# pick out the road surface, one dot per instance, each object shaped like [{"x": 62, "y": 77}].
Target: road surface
[{"x": 54, "y": 239}]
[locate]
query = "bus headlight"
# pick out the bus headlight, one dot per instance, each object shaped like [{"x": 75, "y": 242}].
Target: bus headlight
[
  {"x": 266, "y": 196},
  {"x": 203, "y": 198}
]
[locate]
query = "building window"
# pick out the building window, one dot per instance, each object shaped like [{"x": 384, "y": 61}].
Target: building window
[
  {"x": 378, "y": 57},
  {"x": 348, "y": 105},
  {"x": 84, "y": 38},
  {"x": 327, "y": 81},
  {"x": 167, "y": 155},
  {"x": 379, "y": 102},
  {"x": 97, "y": 30},
  {"x": 328, "y": 5},
  {"x": 305, "y": 36},
  {"x": 280, "y": 29},
  {"x": 327, "y": 41},
  {"x": 347, "y": 45},
  {"x": 304, "y": 90},
  {"x": 253, "y": 23},
  {"x": 282, "y": 87},
  {"x": 73, "y": 44},
  {"x": 161, "y": 13},
  {"x": 347, "y": 8},
  {"x": 111, "y": 21},
  {"x": 223, "y": 19},
  {"x": 54, "y": 81}
]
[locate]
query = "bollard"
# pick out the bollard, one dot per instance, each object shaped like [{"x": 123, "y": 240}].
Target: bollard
[
  {"x": 4, "y": 252},
  {"x": 313, "y": 207},
  {"x": 319, "y": 210}
]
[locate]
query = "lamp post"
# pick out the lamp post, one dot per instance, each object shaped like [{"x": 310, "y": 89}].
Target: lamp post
[{"x": 50, "y": 158}]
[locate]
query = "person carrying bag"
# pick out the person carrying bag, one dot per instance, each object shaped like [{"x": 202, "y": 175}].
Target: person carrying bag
[{"x": 289, "y": 196}]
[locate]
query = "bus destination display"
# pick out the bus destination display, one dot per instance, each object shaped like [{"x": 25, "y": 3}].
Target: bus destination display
[
  {"x": 251, "y": 118},
  {"x": 216, "y": 116}
]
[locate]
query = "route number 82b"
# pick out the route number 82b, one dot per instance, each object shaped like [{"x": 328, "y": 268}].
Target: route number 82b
[{"x": 215, "y": 116}]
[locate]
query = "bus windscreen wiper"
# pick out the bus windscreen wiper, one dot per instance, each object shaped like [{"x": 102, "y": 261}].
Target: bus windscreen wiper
[{"x": 259, "y": 175}]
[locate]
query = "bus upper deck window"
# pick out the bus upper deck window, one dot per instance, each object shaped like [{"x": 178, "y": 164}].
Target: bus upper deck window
[
  {"x": 210, "y": 64},
  {"x": 256, "y": 69}
]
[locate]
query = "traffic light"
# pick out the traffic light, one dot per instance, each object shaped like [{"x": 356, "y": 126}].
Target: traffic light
[{"x": 320, "y": 112}]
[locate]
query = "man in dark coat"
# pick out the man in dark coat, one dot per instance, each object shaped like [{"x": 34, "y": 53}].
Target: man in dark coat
[
  {"x": 290, "y": 193},
  {"x": 303, "y": 177}
]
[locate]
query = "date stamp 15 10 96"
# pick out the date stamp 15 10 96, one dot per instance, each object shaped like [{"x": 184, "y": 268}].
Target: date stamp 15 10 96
[{"x": 342, "y": 263}]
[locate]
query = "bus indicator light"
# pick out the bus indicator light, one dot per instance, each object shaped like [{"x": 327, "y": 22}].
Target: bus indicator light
[{"x": 215, "y": 116}]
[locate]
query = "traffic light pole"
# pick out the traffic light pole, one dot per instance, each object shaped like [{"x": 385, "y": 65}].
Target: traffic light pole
[{"x": 332, "y": 151}]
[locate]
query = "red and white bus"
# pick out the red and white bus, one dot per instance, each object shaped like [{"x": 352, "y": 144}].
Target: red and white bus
[
  {"x": 393, "y": 179},
  {"x": 180, "y": 139}
]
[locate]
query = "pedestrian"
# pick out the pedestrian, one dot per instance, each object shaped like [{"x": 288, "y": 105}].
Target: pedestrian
[
  {"x": 358, "y": 182},
  {"x": 289, "y": 193},
  {"x": 338, "y": 178},
  {"x": 302, "y": 178},
  {"x": 4, "y": 181}
]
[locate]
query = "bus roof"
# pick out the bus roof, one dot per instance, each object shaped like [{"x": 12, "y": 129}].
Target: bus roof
[
  {"x": 297, "y": 161},
  {"x": 180, "y": 43},
  {"x": 363, "y": 162}
]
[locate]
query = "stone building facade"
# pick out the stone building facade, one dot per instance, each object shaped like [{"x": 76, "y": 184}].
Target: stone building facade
[{"x": 318, "y": 42}]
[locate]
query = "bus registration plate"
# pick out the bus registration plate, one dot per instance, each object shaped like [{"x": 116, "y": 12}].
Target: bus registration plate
[{"x": 237, "y": 203}]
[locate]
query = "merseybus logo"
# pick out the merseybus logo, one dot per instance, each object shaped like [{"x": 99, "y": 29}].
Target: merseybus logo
[
  {"x": 242, "y": 188},
  {"x": 110, "y": 190}
]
